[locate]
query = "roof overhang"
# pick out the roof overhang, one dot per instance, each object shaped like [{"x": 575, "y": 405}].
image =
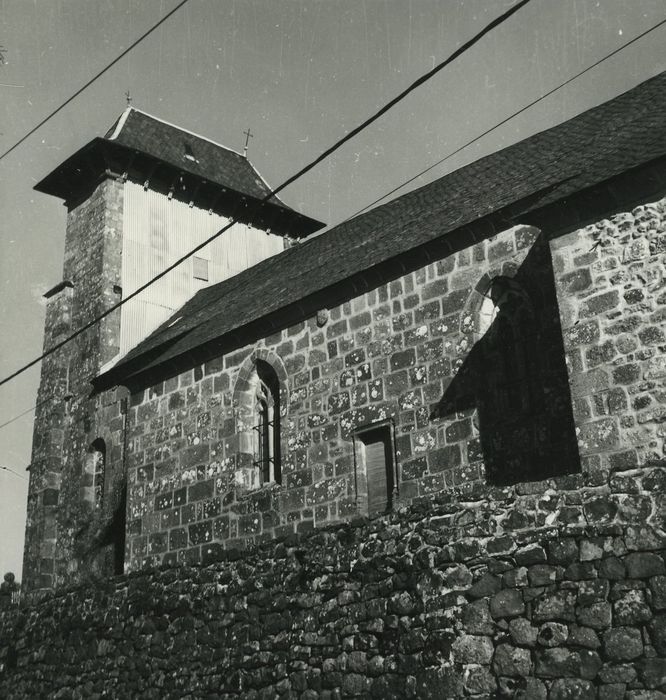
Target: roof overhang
[{"x": 74, "y": 179}]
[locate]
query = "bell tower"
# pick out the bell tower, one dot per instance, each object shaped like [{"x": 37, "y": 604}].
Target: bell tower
[{"x": 138, "y": 198}]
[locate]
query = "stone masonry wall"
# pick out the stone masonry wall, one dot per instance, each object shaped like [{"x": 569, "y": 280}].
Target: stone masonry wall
[
  {"x": 542, "y": 590},
  {"x": 67, "y": 420},
  {"x": 408, "y": 351},
  {"x": 425, "y": 352},
  {"x": 611, "y": 284}
]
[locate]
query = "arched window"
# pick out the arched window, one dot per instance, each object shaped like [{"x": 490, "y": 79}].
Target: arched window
[
  {"x": 97, "y": 457},
  {"x": 266, "y": 422}
]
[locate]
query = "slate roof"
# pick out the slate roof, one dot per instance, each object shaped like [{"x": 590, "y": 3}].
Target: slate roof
[
  {"x": 173, "y": 145},
  {"x": 607, "y": 140},
  {"x": 139, "y": 141}
]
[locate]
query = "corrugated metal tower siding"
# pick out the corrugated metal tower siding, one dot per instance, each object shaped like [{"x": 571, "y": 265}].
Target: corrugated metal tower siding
[{"x": 156, "y": 232}]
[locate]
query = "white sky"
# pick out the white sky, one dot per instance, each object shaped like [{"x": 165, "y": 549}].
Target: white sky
[{"x": 300, "y": 74}]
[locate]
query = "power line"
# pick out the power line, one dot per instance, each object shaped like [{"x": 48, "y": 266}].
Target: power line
[
  {"x": 504, "y": 121},
  {"x": 11, "y": 471},
  {"x": 417, "y": 83},
  {"x": 93, "y": 79},
  {"x": 28, "y": 410},
  {"x": 450, "y": 155}
]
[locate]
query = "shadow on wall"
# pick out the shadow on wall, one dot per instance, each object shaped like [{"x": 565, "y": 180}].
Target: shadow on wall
[
  {"x": 112, "y": 541},
  {"x": 515, "y": 376}
]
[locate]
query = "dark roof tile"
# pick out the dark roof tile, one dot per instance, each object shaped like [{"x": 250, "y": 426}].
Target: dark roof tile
[{"x": 188, "y": 152}]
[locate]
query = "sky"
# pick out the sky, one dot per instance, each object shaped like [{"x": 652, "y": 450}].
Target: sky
[{"x": 300, "y": 74}]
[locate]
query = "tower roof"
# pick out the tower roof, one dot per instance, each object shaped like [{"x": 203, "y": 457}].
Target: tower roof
[{"x": 171, "y": 158}]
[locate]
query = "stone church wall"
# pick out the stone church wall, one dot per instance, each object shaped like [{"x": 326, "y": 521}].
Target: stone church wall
[
  {"x": 424, "y": 354},
  {"x": 418, "y": 353},
  {"x": 407, "y": 352},
  {"x": 611, "y": 279},
  {"x": 546, "y": 589}
]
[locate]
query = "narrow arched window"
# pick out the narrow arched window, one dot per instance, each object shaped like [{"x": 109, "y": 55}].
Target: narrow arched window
[
  {"x": 97, "y": 460},
  {"x": 267, "y": 422}
]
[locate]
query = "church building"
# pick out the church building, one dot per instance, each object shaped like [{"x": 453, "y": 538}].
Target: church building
[{"x": 500, "y": 327}]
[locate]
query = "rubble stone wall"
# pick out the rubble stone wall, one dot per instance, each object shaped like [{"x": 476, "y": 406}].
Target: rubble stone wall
[{"x": 542, "y": 590}]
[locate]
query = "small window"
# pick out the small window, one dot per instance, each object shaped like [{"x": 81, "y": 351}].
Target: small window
[
  {"x": 97, "y": 468},
  {"x": 119, "y": 524},
  {"x": 376, "y": 467},
  {"x": 267, "y": 423},
  {"x": 200, "y": 268}
]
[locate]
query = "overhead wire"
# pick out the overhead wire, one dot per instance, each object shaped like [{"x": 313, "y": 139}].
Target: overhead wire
[
  {"x": 93, "y": 79},
  {"x": 504, "y": 121},
  {"x": 11, "y": 471},
  {"x": 273, "y": 192},
  {"x": 28, "y": 410}
]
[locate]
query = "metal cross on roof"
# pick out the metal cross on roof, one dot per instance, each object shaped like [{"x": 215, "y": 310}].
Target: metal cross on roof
[
  {"x": 128, "y": 97},
  {"x": 248, "y": 136}
]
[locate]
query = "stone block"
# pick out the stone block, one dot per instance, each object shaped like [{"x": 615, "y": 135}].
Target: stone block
[
  {"x": 552, "y": 634},
  {"x": 631, "y": 608},
  {"x": 403, "y": 359},
  {"x": 522, "y": 632},
  {"x": 626, "y": 374},
  {"x": 543, "y": 574},
  {"x": 200, "y": 533},
  {"x": 592, "y": 591},
  {"x": 600, "y": 354},
  {"x": 655, "y": 368},
  {"x": 476, "y": 618},
  {"x": 507, "y": 603},
  {"x": 617, "y": 673},
  {"x": 572, "y": 689},
  {"x": 473, "y": 649},
  {"x": 563, "y": 551},
  {"x": 512, "y": 661},
  {"x": 589, "y": 383},
  {"x": 598, "y": 436},
  {"x": 652, "y": 672},
  {"x": 580, "y": 571},
  {"x": 597, "y": 616},
  {"x": 657, "y": 631},
  {"x": 556, "y": 606},
  {"x": 658, "y": 592},
  {"x": 530, "y": 554},
  {"x": 623, "y": 643},
  {"x": 455, "y": 301},
  {"x": 479, "y": 681},
  {"x": 576, "y": 281},
  {"x": 581, "y": 334},
  {"x": 444, "y": 458},
  {"x": 486, "y": 586},
  {"x": 201, "y": 490},
  {"x": 600, "y": 303},
  {"x": 583, "y": 637},
  {"x": 558, "y": 663},
  {"x": 644, "y": 565}
]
